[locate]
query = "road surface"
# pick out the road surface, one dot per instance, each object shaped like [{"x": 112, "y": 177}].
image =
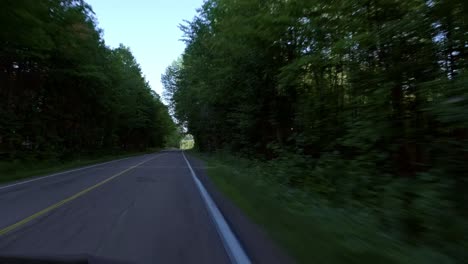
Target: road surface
[{"x": 150, "y": 213}]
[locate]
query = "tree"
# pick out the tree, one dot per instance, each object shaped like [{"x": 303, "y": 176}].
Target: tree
[
  {"x": 63, "y": 92},
  {"x": 375, "y": 88}
]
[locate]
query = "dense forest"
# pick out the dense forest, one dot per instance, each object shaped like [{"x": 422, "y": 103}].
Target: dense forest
[
  {"x": 360, "y": 104},
  {"x": 63, "y": 91}
]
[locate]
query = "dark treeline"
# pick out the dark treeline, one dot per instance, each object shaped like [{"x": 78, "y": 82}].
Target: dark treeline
[
  {"x": 365, "y": 102},
  {"x": 63, "y": 91}
]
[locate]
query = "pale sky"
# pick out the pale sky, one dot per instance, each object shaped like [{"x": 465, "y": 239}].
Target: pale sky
[{"x": 149, "y": 28}]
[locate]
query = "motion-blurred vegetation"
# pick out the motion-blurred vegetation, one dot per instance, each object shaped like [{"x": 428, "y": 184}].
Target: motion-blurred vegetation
[
  {"x": 312, "y": 227},
  {"x": 357, "y": 106}
]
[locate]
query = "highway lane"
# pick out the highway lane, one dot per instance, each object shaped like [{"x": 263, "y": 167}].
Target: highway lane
[{"x": 150, "y": 213}]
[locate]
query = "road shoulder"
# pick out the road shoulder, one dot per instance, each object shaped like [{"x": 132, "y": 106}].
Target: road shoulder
[{"x": 257, "y": 243}]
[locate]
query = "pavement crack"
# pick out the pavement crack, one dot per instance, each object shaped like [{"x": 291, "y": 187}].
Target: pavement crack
[{"x": 118, "y": 220}]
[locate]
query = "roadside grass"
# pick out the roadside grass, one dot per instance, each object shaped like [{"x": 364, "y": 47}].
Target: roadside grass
[
  {"x": 24, "y": 169},
  {"x": 307, "y": 227}
]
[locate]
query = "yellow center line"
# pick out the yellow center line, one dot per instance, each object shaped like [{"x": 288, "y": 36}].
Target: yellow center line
[{"x": 64, "y": 201}]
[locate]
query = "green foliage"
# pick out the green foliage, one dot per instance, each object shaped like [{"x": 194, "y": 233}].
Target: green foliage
[
  {"x": 306, "y": 224},
  {"x": 360, "y": 104},
  {"x": 187, "y": 142},
  {"x": 63, "y": 92}
]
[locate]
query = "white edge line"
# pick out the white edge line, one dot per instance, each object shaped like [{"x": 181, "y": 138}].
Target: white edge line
[
  {"x": 231, "y": 243},
  {"x": 63, "y": 172}
]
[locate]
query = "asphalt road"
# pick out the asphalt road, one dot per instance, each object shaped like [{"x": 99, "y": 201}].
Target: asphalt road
[{"x": 144, "y": 209}]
